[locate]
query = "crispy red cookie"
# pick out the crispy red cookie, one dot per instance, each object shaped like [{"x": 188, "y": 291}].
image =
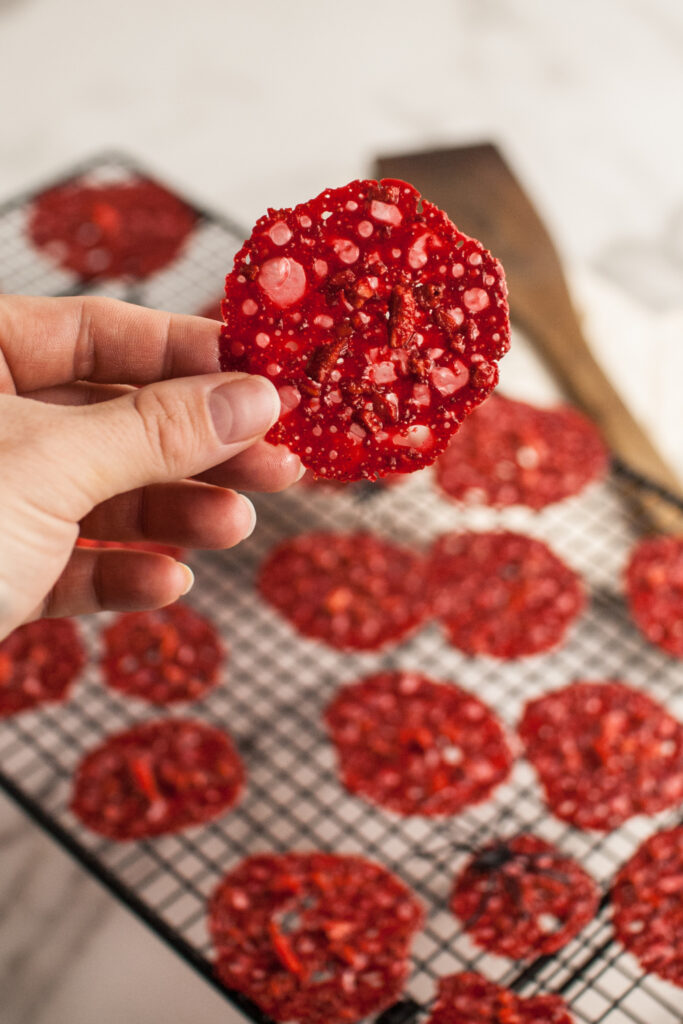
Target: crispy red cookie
[
  {"x": 314, "y": 937},
  {"x": 132, "y": 545},
  {"x": 654, "y": 590},
  {"x": 379, "y": 323},
  {"x": 523, "y": 897},
  {"x": 469, "y": 998},
  {"x": 168, "y": 655},
  {"x": 125, "y": 229},
  {"x": 415, "y": 746},
  {"x": 157, "y": 777},
  {"x": 502, "y": 593},
  {"x": 355, "y": 591},
  {"x": 38, "y": 663},
  {"x": 603, "y": 753},
  {"x": 647, "y": 902},
  {"x": 513, "y": 453}
]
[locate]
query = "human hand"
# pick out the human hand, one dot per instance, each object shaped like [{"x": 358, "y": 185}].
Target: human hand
[{"x": 80, "y": 446}]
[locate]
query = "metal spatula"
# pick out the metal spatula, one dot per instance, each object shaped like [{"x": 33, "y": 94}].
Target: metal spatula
[{"x": 481, "y": 194}]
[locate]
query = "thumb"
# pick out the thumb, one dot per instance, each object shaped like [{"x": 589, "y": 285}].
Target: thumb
[{"x": 159, "y": 433}]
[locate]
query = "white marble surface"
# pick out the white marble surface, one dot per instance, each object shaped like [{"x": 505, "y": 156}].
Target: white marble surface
[{"x": 247, "y": 105}]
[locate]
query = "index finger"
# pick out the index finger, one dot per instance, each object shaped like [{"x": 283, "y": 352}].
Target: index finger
[{"x": 48, "y": 341}]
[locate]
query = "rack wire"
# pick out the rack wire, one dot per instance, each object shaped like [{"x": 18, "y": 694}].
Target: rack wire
[{"x": 276, "y": 685}]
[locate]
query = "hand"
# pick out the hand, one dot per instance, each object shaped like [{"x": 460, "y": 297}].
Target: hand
[{"x": 80, "y": 447}]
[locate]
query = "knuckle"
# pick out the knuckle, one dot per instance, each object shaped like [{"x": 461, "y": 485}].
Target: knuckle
[{"x": 168, "y": 429}]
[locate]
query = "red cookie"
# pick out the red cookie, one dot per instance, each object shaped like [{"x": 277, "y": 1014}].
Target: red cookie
[
  {"x": 415, "y": 746},
  {"x": 127, "y": 229},
  {"x": 355, "y": 591},
  {"x": 379, "y": 323},
  {"x": 469, "y": 998},
  {"x": 314, "y": 937},
  {"x": 603, "y": 753},
  {"x": 163, "y": 656},
  {"x": 132, "y": 545},
  {"x": 156, "y": 778},
  {"x": 523, "y": 897},
  {"x": 513, "y": 453},
  {"x": 38, "y": 663},
  {"x": 654, "y": 590},
  {"x": 647, "y": 901},
  {"x": 502, "y": 594}
]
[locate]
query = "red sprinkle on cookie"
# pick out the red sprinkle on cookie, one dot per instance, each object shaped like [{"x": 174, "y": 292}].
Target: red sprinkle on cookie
[
  {"x": 38, "y": 664},
  {"x": 354, "y": 591},
  {"x": 127, "y": 229},
  {"x": 523, "y": 897},
  {"x": 415, "y": 746},
  {"x": 503, "y": 594},
  {"x": 604, "y": 752},
  {"x": 379, "y": 322},
  {"x": 513, "y": 453},
  {"x": 314, "y": 937},
  {"x": 469, "y": 998},
  {"x": 163, "y": 656},
  {"x": 647, "y": 902},
  {"x": 654, "y": 590},
  {"x": 157, "y": 778}
]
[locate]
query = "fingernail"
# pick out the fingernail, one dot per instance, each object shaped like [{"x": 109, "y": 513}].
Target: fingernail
[
  {"x": 243, "y": 408},
  {"x": 189, "y": 578},
  {"x": 302, "y": 470},
  {"x": 252, "y": 513}
]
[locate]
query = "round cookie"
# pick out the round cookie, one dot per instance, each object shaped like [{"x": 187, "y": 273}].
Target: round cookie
[
  {"x": 157, "y": 778},
  {"x": 318, "y": 938},
  {"x": 604, "y": 752},
  {"x": 354, "y": 591},
  {"x": 416, "y": 746},
  {"x": 502, "y": 594},
  {"x": 378, "y": 321}
]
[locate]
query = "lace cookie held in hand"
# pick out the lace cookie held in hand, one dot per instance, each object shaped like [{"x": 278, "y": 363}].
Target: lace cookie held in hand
[
  {"x": 317, "y": 938},
  {"x": 377, "y": 320}
]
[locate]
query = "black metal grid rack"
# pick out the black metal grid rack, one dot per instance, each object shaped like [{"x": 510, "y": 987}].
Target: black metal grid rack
[{"x": 276, "y": 685}]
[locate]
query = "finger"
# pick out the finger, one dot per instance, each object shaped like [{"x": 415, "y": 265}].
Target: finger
[
  {"x": 55, "y": 341},
  {"x": 95, "y": 581},
  {"x": 80, "y": 393},
  {"x": 164, "y": 432},
  {"x": 191, "y": 515},
  {"x": 263, "y": 467}
]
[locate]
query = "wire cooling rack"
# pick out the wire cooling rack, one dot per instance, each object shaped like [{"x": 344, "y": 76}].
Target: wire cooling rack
[{"x": 276, "y": 685}]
